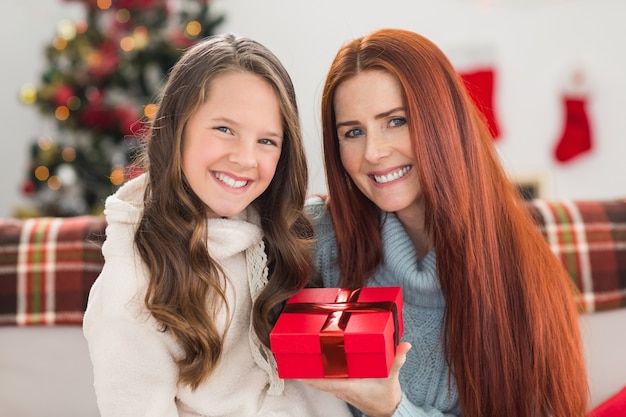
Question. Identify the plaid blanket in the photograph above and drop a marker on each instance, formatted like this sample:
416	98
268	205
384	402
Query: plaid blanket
47	267
589	237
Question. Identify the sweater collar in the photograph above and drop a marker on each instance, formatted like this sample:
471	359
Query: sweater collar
228	236
419	280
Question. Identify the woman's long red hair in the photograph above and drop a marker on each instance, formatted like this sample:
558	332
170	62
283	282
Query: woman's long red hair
511	330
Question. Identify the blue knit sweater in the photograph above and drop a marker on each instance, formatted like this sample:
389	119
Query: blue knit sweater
424	376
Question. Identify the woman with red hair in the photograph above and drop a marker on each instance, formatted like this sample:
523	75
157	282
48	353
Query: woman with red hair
417	198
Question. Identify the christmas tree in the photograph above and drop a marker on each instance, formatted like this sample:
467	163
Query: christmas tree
98	90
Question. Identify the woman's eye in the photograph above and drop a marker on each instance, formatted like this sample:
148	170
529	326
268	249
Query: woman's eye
352	133
397	121
224	129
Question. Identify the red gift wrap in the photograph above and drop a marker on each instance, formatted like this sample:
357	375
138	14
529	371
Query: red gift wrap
338	333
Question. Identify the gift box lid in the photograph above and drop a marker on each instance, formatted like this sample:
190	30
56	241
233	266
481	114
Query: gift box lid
368	332
364	332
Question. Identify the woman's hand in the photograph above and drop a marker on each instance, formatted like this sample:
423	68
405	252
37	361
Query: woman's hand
376	397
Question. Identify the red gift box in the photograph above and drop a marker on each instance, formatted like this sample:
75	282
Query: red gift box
338	333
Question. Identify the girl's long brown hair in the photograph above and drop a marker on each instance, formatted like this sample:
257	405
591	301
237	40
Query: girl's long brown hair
171	237
511	330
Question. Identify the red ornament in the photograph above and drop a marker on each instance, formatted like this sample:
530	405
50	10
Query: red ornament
104	62
128	118
94	96
63	94
99	118
28	188
138	4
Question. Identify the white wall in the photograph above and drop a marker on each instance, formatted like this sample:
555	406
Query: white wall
537	44
26	28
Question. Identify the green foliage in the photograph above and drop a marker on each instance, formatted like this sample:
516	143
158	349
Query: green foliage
103	74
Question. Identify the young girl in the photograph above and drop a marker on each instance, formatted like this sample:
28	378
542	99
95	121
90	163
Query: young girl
418	198
204	247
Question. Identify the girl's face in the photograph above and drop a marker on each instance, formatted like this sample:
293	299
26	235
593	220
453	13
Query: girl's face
232	144
374	141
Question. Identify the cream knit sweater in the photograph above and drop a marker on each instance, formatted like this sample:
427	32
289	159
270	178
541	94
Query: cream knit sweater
134	363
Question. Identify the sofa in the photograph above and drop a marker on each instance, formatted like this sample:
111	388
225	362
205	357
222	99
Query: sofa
47	266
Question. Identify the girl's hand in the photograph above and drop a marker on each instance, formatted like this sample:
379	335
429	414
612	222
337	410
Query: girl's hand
376	397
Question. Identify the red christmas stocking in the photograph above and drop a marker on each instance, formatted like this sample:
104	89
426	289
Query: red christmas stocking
480	86
576	136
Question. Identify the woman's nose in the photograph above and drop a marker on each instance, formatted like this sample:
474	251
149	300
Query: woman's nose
376	148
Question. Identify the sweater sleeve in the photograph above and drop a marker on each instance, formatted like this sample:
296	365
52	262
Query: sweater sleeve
135	372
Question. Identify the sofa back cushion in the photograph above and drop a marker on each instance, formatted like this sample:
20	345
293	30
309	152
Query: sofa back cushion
47	267
589	237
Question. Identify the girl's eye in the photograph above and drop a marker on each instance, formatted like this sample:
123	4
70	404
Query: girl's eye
352	133
224	129
397	121
268	142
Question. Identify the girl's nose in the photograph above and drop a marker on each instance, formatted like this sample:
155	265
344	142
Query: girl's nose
244	154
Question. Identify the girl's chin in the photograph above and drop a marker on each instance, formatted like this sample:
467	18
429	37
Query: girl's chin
223	212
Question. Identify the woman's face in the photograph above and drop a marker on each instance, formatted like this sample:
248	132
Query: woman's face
232	144
375	143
